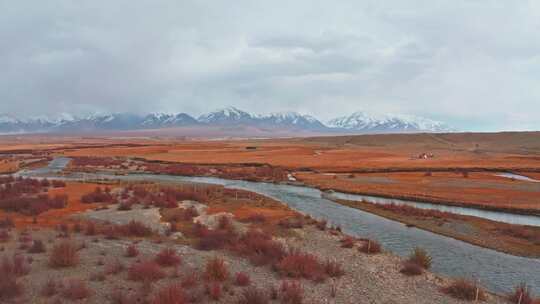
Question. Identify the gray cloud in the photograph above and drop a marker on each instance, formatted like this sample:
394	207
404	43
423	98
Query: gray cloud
475	64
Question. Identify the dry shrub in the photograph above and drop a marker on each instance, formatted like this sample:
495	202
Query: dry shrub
216	270
253	295
256	218
114	267
214	290
90	228
420	257
190	280
465	290
132	251
50	288
4	236
145	271
411	269
75	289
224	223
242	279
259	248
522	295
64	255
370	247
333	269
347	242
301	265
321	225
296	222
216	239
134	228
37	247
17	265
292	292
10	269
170	294
168	257
9	287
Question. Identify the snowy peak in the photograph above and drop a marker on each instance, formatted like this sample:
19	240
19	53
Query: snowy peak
372	122
157	120
292	119
227	115
8	119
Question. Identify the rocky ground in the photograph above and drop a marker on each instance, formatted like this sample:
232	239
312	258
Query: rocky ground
367	279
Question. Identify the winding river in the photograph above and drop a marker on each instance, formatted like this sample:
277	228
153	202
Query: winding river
499	272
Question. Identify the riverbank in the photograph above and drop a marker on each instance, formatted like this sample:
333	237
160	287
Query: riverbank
512	239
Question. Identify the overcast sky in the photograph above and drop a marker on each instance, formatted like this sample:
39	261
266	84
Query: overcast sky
472	64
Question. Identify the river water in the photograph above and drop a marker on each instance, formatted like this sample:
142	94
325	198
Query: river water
499	272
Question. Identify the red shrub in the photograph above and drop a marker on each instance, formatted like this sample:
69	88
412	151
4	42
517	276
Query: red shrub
168	257
292	222
370	247
50	288
132	251
256	218
465	290
37	247
214	290
17	265
190	280
216	239
292	292
171	294
146	271
333	269
216	270
347	242
9	287
135	228
242	279
98	196
321	225
411	269
253	295
301	265
522	295
259	248
75	289
64	255
58	184
90	228
7	222
4	236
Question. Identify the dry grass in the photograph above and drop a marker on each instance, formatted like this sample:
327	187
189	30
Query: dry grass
465	290
216	270
64	255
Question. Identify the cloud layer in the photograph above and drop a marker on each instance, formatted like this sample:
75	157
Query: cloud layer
474	64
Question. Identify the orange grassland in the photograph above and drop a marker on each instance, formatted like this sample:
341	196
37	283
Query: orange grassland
315	160
53	217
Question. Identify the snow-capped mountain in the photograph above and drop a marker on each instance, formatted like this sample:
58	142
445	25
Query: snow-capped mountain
359	122
160	120
291	119
387	123
227	116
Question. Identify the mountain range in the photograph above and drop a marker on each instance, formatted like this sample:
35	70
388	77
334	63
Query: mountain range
358	122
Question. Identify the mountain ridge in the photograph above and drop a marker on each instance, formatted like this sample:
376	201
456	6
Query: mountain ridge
357	122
